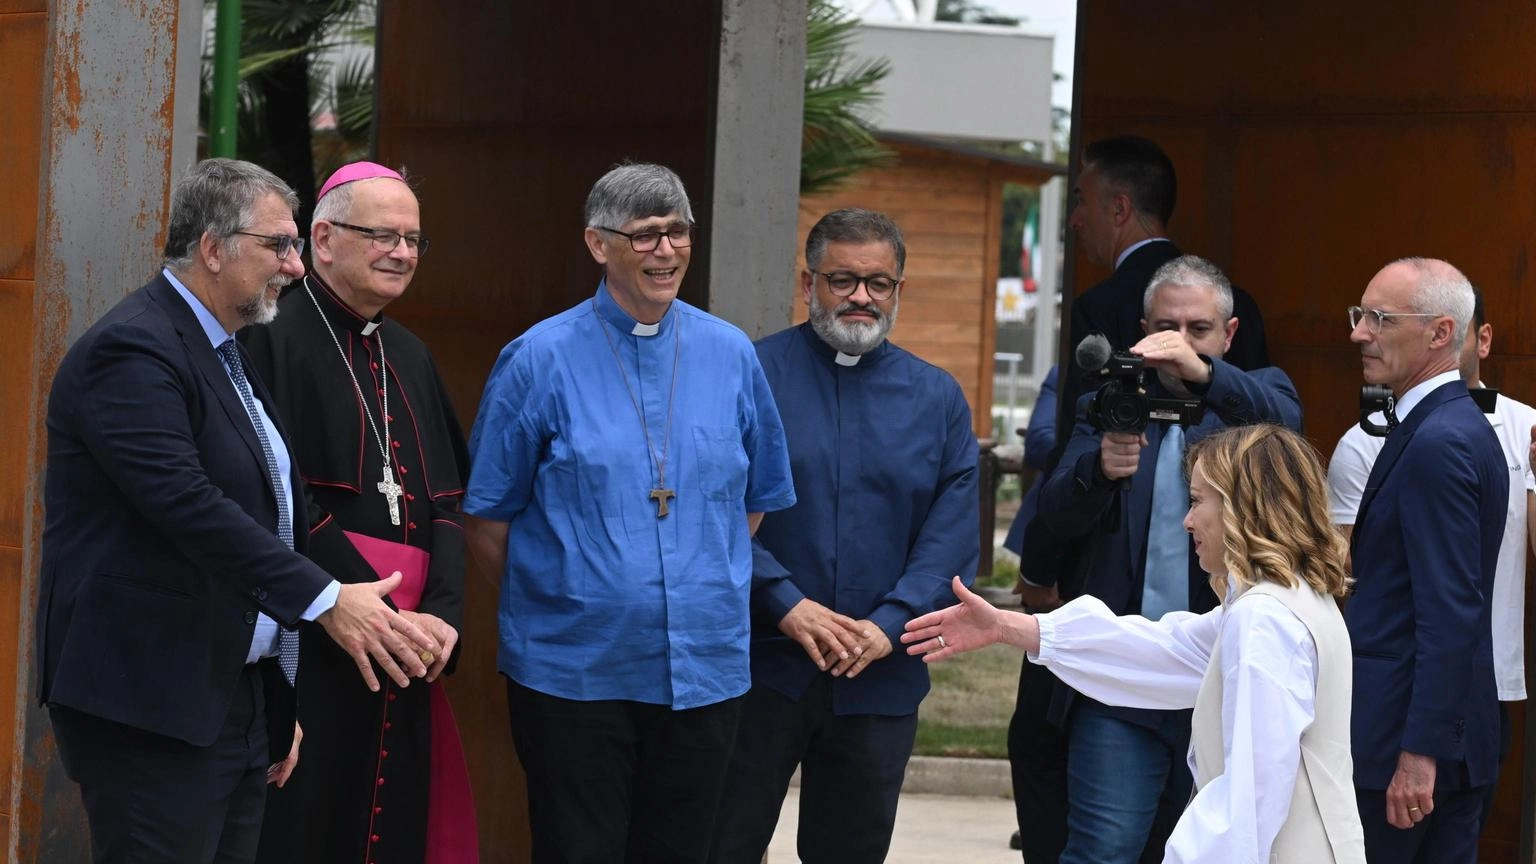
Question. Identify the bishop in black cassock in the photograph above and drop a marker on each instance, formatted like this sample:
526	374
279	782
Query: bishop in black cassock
367	788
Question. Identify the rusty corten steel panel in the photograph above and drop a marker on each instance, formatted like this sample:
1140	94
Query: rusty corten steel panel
106	94
22	37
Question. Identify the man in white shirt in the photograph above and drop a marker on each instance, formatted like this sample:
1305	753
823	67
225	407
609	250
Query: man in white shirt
1512	421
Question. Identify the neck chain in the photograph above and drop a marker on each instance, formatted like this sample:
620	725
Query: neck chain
661	493
387	486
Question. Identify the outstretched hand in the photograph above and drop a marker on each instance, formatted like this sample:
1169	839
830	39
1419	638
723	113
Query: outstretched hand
939	635
366	628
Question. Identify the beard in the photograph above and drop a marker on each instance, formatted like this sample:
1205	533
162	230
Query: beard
852	337
262	309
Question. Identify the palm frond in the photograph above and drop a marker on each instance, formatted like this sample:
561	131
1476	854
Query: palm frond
839	137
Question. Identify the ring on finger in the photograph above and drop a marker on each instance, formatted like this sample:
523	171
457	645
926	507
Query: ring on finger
942	643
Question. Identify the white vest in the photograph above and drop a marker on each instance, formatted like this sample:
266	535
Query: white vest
1323	824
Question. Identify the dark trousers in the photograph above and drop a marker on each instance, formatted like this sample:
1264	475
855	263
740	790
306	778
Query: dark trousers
1037	753
153	799
616	781
851	770
1448	835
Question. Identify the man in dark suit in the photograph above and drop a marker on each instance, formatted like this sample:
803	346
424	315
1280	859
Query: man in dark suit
170	581
1425	723
1121	206
1122	495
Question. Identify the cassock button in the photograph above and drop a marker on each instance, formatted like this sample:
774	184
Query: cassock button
411	525
378	810
396	443
389	418
381	391
391	697
381	781
387	724
383	754
373	366
250	617
374	838
402	469
410	497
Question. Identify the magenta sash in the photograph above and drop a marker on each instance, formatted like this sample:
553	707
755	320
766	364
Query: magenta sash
452	834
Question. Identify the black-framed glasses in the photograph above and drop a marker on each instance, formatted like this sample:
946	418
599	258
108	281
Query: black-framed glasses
1377	318
386	240
844	284
680	236
282	244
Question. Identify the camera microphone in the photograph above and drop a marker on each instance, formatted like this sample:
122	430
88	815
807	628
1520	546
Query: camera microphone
1093	352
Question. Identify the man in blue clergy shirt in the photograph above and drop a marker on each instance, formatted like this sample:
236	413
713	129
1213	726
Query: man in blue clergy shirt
884	463
1125	494
624	452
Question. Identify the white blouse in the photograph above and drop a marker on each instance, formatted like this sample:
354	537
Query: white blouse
1269	680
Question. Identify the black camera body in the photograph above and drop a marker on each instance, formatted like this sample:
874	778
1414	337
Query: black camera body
1122	403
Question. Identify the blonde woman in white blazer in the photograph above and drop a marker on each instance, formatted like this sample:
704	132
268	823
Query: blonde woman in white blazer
1268	672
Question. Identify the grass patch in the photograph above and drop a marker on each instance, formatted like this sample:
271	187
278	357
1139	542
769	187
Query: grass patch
967	712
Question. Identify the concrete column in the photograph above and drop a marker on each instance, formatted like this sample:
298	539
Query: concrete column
759	108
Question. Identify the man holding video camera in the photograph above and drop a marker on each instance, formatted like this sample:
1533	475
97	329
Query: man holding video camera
1121	487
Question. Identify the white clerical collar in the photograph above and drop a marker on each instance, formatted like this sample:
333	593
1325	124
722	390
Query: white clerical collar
847	359
646	329
370	327
1134	246
1417	392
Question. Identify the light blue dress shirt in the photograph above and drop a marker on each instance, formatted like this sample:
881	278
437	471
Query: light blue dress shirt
601	599
264	643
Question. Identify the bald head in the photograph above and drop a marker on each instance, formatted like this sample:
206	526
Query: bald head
1415	317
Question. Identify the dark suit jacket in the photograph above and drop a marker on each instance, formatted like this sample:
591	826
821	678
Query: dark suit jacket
1114	307
160	539
1109	521
1425	546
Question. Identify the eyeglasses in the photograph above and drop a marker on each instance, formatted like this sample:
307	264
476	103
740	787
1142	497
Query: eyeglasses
282	244
1377	318
680	236
844	284
386	240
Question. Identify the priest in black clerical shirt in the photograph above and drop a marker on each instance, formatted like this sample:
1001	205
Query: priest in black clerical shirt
384	460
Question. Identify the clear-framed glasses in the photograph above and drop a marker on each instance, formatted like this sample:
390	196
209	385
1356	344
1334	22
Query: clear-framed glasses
680	236
386	240
282	244
844	284
1376	318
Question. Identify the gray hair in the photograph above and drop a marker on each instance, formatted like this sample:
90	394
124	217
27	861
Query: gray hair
854	225
1441	289
1190	270
634	191
217	196
336	206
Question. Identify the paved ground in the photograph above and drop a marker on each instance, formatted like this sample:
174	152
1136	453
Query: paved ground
930	829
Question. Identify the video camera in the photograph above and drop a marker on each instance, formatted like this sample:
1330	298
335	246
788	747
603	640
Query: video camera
1121	403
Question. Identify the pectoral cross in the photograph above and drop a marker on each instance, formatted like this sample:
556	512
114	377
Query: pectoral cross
660	496
391	492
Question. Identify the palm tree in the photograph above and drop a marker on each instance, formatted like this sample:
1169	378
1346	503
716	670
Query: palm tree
286	80
839	139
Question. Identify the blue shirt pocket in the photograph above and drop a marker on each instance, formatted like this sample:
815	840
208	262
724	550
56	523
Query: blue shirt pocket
722	462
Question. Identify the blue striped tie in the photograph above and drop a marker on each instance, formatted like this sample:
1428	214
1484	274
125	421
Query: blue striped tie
287	640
